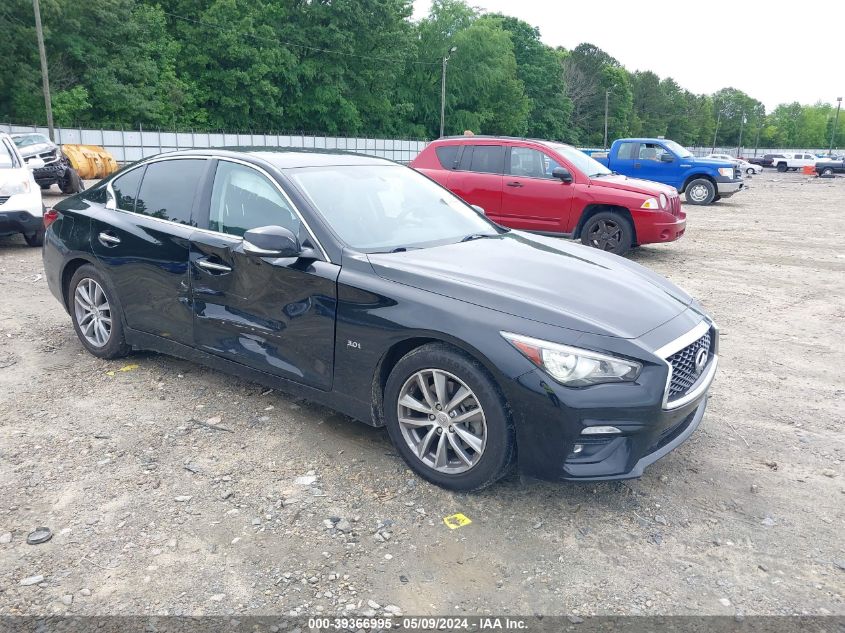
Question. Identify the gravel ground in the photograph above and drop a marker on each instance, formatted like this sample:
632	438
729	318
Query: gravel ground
173	489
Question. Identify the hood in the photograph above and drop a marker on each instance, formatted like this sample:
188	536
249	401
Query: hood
713	162
543	279
624	183
34	150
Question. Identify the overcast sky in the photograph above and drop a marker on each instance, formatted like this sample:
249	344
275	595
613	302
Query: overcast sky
773	50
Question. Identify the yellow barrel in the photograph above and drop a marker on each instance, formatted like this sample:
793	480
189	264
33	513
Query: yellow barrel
90	161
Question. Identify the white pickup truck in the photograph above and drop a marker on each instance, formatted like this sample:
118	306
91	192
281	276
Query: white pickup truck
794	161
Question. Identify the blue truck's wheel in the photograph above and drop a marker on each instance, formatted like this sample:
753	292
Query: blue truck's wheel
700	191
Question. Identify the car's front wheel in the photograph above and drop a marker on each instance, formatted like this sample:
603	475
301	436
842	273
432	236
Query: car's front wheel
700	191
608	231
96	314
750	171
447	418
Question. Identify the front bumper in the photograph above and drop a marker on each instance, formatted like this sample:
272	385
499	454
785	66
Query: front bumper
555	425
726	188
12	222
653	229
50	174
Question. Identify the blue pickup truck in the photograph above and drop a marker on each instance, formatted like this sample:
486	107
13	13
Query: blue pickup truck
703	180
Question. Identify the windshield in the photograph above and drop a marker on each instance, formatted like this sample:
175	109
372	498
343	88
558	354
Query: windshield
679	150
381	208
30	139
580	160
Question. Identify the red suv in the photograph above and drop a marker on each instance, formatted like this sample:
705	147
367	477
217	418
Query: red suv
554	189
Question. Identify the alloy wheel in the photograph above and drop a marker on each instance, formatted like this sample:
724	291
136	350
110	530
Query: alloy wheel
442	421
606	235
93	312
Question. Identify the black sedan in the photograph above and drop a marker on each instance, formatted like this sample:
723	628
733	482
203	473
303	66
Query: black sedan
361	284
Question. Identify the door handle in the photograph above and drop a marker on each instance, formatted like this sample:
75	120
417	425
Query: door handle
107	239
213	267
515	183
637	165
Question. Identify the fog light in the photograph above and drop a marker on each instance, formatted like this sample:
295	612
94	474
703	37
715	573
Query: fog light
600	430
577	449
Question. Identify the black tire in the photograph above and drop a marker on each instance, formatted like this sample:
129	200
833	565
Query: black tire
700	191
35	239
827	171
750	171
44	186
116	345
782	167
500	446
70	182
608	231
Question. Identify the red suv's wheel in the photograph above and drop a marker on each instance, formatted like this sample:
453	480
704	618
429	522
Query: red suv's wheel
608	231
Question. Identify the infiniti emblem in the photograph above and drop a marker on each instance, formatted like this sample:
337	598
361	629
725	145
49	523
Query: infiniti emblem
700	360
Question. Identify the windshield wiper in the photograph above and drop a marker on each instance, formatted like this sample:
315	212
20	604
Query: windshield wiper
474	236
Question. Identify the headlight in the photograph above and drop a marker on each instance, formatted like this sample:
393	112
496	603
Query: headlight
650	203
727	172
663	201
15	187
572	366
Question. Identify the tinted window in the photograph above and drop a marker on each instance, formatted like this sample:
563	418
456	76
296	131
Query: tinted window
488	159
448	156
531	163
244	199
125	189
168	189
627	151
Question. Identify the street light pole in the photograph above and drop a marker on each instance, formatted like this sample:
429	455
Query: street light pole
835	124
443	90
45	79
606	100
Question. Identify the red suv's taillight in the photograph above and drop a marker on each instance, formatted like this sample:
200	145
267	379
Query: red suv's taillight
50	216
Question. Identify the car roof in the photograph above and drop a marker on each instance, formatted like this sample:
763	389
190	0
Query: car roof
286	157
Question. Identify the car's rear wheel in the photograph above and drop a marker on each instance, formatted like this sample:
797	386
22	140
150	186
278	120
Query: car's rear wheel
827	171
96	314
36	238
700	191
608	231
447	418
782	167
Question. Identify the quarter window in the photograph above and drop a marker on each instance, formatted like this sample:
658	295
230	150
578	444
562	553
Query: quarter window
169	188
125	189
488	159
531	163
244	199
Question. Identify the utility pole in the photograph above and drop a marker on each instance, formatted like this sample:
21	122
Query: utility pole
443	90
606	99
835	124
45	78
741	124
716	133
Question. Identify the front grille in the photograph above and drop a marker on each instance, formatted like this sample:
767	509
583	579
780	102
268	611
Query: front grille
675	206
684	374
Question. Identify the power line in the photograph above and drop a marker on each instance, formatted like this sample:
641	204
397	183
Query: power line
301	46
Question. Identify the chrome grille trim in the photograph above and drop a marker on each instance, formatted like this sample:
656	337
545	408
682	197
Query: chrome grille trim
680	344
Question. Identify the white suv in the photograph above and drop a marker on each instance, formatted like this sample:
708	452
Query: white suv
794	161
21	210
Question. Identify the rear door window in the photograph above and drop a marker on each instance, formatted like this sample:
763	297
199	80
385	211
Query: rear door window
627	151
125	189
488	159
448	156
169	189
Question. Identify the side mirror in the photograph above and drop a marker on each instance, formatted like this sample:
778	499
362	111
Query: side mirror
34	163
271	241
667	158
480	210
562	173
